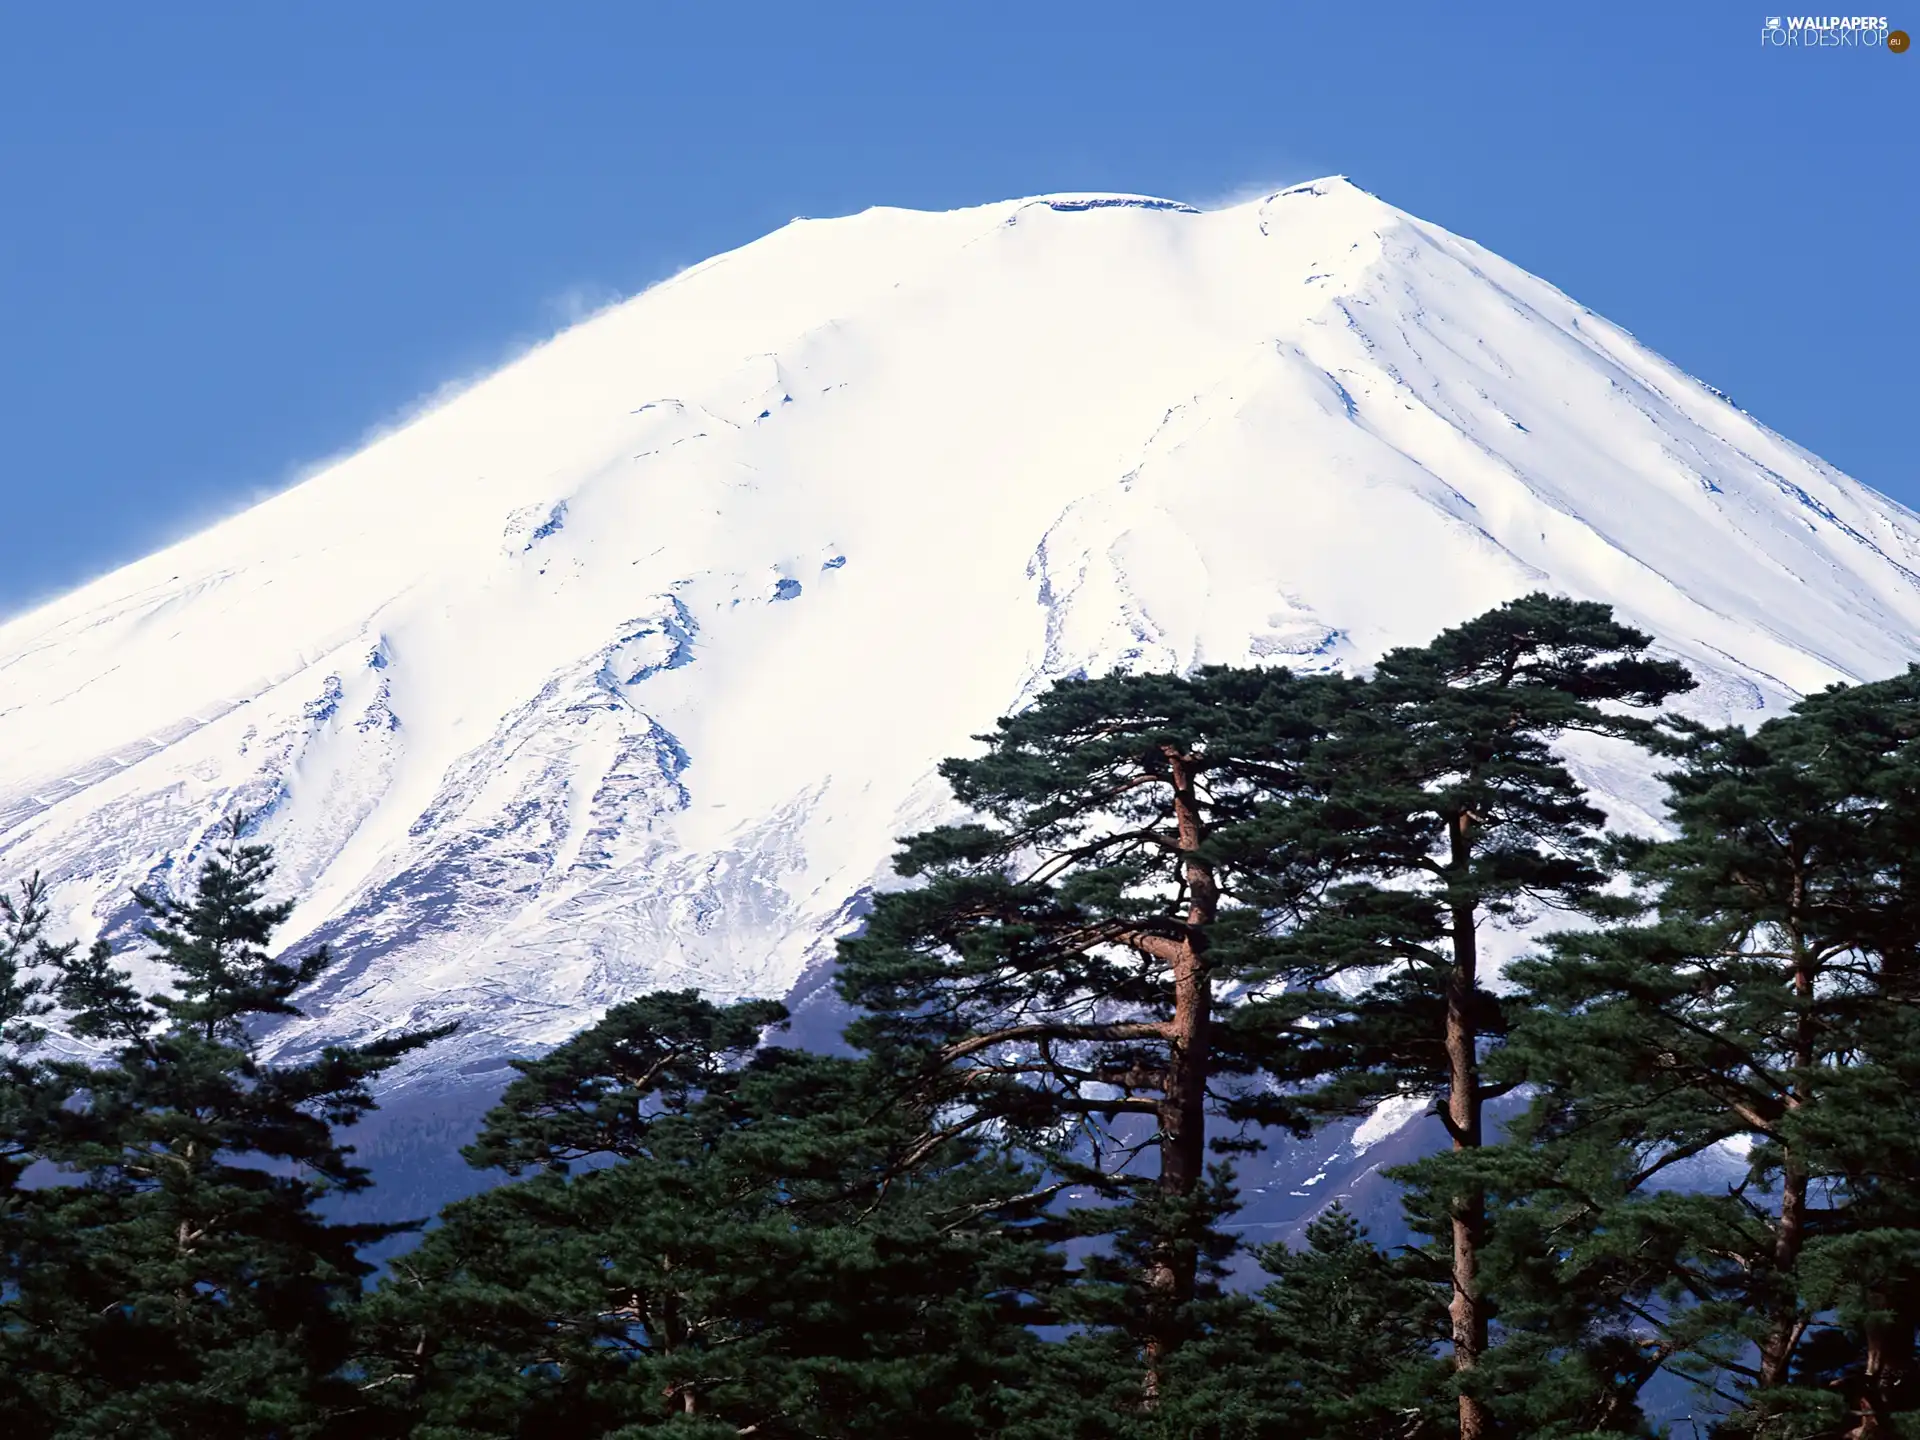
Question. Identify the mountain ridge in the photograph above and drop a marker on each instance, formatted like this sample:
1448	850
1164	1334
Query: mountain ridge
625	666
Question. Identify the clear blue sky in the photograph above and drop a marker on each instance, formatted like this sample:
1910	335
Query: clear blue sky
234	239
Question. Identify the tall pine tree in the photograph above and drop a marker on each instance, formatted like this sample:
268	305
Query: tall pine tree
1445	807
1059	973
179	1276
1763	1009
27	964
31	1106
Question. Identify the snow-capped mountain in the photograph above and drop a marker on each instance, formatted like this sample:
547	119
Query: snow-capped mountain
625	667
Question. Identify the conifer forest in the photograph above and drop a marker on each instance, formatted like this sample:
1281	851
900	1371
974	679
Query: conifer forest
1674	1189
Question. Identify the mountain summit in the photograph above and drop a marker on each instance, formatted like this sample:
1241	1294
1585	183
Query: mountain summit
625	667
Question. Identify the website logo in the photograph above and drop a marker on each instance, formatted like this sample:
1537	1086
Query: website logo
1831	32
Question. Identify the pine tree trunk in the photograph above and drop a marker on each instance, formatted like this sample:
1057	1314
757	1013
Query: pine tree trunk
1183	1099
1776	1353
1469	1208
1889	1358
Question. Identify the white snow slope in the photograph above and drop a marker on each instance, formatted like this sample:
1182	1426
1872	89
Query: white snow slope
624	668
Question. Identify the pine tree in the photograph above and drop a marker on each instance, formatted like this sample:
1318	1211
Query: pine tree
1764	1003
180	1277
1059	973
1338	1345
26	964
30	1110
1444	807
712	1237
